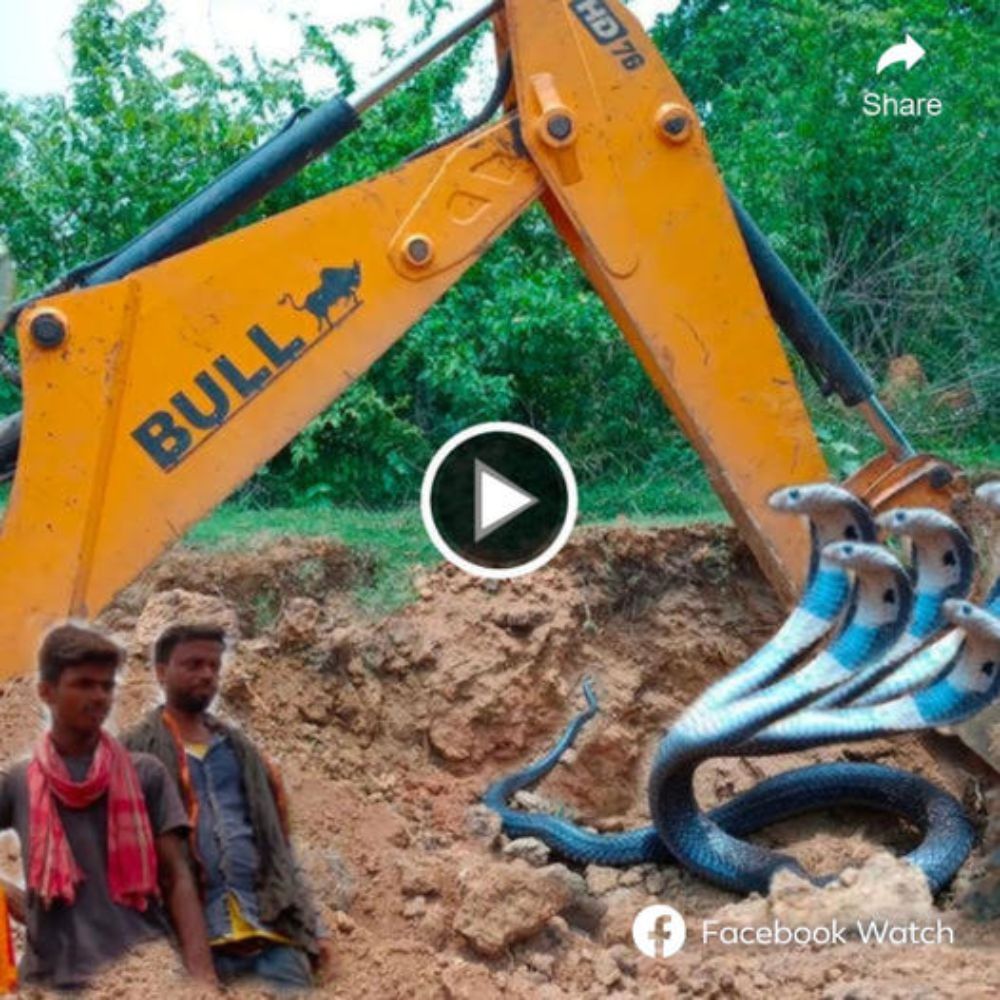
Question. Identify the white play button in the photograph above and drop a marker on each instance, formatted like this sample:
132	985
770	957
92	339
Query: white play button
498	500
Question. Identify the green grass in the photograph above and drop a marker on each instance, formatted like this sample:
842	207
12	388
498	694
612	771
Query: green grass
396	540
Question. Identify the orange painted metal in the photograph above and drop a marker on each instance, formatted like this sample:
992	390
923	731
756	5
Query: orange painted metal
920	481
645	212
174	385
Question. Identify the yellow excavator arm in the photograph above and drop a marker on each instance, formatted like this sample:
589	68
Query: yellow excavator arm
162	381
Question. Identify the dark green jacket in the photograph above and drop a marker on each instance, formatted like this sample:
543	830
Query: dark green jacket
285	903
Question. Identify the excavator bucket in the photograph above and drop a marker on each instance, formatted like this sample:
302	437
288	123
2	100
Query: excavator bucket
917	481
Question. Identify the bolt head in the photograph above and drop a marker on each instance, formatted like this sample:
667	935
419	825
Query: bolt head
418	251
677	125
48	330
560	127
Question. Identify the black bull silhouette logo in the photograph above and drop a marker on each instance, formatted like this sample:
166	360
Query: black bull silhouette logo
336	284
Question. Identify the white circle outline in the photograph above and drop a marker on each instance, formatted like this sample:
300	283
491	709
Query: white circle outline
510	572
647	915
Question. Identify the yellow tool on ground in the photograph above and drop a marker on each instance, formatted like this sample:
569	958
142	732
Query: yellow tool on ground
160	379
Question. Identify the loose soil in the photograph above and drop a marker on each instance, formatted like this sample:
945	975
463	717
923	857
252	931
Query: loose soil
389	730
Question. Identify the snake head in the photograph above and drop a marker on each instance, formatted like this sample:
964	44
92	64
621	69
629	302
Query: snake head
834	514
943	557
591	697
978	668
883	591
989	493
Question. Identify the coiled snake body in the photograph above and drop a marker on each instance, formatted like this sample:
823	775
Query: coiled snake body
865	683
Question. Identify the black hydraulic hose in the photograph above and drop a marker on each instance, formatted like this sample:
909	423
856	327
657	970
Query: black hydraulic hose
826	355
492	106
800	319
305	138
10	440
231	194
307	135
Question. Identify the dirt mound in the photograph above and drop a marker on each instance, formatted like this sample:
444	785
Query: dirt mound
255	578
389	731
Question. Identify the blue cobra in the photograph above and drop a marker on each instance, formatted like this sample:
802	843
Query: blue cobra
705	847
701	844
733	863
943	563
833	514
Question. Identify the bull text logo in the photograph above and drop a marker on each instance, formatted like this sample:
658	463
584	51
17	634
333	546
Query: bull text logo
168	435
607	30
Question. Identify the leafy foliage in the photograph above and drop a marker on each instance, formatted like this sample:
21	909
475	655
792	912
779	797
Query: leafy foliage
888	222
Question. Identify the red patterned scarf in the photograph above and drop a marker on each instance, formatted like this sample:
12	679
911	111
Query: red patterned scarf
52	871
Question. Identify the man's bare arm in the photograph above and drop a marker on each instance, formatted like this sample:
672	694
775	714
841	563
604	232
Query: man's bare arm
179	893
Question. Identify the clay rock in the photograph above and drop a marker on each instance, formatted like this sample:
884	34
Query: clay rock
504	903
298	623
450	740
464	981
531	849
339	647
904	378
173	607
483	823
601	880
358	707
621	907
421	876
330	876
521	619
981	896
885	888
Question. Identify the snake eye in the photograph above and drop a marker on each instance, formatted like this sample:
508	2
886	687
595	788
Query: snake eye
889	596
847	550
988	668
795	494
949	558
850	532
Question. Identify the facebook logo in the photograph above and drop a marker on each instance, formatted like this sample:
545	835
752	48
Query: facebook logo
659	931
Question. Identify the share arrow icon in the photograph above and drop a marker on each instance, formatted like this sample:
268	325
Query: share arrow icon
909	52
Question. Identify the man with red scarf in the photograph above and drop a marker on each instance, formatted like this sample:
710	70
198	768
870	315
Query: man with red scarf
102	830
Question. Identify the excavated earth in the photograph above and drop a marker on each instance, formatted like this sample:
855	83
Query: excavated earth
388	731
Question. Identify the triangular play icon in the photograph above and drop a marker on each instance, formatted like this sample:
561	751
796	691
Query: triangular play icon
498	500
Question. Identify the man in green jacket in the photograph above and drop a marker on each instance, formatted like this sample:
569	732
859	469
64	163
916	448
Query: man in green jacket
260	916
